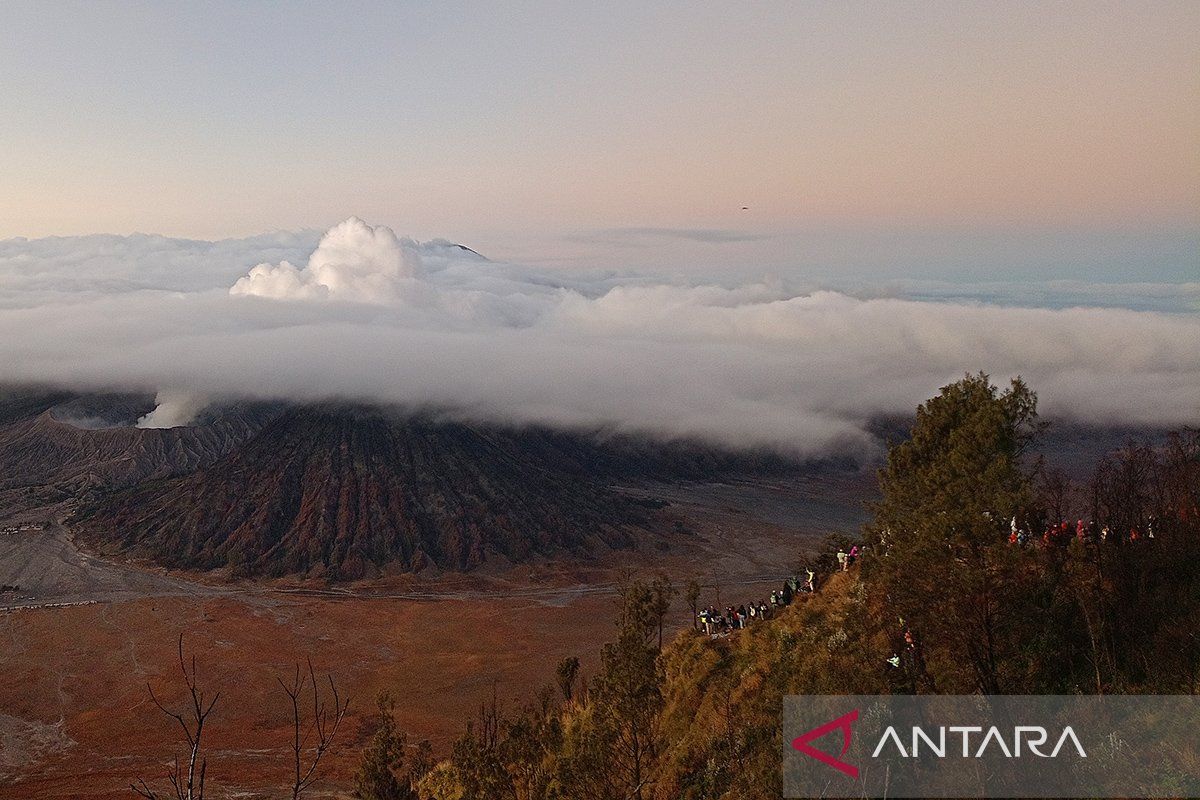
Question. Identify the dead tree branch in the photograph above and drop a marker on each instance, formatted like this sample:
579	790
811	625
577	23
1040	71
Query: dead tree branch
186	784
312	738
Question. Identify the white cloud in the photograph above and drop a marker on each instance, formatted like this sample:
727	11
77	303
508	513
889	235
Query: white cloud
353	261
40	270
374	317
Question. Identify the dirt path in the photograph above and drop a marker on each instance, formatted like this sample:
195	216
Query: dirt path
50	570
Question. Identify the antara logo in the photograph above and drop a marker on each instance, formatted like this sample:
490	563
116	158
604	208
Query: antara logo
1033	737
842	723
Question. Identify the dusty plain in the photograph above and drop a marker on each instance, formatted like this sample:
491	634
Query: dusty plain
83	636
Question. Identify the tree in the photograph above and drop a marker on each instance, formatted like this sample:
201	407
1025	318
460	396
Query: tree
628	693
941	527
320	730
1137	591
531	741
478	756
186	784
565	674
378	776
1056	493
692	595
662	593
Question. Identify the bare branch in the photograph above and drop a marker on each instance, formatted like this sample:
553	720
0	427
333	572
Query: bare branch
189	784
320	729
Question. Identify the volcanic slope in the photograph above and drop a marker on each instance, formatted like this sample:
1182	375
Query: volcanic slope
81	442
342	492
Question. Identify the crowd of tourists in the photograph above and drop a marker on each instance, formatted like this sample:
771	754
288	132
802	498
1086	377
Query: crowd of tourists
1062	534
715	622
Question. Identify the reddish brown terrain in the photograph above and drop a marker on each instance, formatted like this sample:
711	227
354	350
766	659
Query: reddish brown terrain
76	720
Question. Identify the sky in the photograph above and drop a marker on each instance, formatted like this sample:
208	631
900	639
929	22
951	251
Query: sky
865	142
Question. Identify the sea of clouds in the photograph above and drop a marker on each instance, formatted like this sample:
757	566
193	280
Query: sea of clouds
360	313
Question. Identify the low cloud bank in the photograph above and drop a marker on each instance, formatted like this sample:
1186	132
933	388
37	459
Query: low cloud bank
371	316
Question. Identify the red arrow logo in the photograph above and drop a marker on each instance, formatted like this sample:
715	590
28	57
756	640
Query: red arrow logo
843	723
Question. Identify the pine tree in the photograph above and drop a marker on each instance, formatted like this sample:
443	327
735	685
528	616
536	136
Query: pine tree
565	674
378	776
940	531
613	749
692	596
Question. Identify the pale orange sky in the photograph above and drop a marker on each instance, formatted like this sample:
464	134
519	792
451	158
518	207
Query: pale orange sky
519	130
